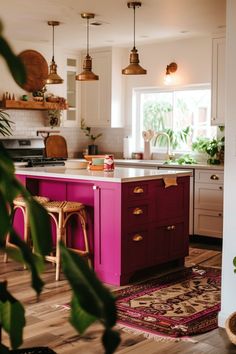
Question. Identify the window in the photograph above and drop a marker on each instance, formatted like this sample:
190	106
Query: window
183	113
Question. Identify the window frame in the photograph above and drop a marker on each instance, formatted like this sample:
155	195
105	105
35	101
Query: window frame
136	109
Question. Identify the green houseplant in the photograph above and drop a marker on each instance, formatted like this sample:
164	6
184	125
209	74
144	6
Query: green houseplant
212	147
91	301
92	148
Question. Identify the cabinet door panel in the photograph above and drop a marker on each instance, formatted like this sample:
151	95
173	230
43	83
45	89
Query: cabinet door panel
178	240
208	223
208	196
218	81
172	202
136	250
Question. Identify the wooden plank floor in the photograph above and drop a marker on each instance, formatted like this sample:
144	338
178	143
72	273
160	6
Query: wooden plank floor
47	325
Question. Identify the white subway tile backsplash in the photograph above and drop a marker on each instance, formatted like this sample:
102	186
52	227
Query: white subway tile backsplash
26	123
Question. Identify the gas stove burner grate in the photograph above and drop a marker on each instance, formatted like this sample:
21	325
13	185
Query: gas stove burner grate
46	161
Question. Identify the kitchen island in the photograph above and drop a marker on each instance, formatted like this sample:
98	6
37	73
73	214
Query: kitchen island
137	218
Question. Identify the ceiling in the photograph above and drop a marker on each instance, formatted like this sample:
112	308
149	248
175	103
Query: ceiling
156	20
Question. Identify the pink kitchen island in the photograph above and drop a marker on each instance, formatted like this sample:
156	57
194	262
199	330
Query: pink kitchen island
134	220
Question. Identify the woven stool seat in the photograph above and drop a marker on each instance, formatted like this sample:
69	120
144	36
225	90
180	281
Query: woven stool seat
19	201
66	207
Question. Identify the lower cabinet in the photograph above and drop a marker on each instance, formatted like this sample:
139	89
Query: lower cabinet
155	224
208	203
168	242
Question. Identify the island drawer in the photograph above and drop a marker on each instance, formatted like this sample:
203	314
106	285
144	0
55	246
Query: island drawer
137	213
136	191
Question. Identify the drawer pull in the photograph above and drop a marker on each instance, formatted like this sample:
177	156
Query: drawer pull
137	238
214	177
221	188
137	211
220	214
170	227
138	190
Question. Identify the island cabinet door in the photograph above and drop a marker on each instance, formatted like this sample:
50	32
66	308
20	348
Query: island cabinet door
171	202
168	242
135	254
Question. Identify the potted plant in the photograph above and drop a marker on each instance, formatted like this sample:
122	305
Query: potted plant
92	148
214	148
91	301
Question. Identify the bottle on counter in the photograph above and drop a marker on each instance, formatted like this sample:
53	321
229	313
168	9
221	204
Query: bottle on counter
109	163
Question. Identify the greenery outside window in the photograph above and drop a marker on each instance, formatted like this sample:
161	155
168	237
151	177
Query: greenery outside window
174	111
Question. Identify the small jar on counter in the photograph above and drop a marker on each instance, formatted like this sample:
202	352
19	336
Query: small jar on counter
109	163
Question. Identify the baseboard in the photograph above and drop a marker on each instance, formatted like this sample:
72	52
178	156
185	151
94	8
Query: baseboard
222	317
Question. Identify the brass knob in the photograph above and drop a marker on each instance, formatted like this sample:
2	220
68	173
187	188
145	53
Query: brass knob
137	211
138	190
214	177
170	227
137	238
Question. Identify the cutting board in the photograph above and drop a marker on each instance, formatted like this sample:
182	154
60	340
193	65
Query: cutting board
56	146
36	69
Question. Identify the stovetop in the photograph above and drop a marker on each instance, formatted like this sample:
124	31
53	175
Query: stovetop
30	151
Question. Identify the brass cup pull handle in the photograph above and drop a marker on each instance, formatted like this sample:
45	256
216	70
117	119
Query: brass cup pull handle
170	227
137	211
138	190
137	238
214	177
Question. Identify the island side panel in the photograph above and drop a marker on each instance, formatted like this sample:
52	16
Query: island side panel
107	232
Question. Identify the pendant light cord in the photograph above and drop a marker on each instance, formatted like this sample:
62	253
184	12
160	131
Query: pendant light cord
134	25
53	43
87	36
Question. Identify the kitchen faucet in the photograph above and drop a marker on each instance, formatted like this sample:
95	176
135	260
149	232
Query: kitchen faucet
157	134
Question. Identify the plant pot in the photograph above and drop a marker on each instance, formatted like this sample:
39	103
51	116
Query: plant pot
213	161
92	149
230	327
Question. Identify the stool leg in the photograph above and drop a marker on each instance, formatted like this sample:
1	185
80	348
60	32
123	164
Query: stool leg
82	217
60	234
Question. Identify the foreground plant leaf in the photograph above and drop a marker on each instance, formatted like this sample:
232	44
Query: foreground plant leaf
110	340
90	297
79	318
93	297
29	259
14	63
12	316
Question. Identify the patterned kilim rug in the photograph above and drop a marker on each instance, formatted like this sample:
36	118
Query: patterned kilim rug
176	305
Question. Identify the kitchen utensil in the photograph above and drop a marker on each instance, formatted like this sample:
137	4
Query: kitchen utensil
36	69
56	146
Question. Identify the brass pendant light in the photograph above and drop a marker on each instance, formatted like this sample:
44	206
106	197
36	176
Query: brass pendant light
134	68
53	77
87	74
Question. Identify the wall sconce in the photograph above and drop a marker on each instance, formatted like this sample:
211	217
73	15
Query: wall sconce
170	69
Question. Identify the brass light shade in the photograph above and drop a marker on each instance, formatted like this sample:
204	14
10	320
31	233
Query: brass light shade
134	68
87	74
53	77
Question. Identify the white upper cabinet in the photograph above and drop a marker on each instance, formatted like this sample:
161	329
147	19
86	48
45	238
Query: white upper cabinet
102	101
218	81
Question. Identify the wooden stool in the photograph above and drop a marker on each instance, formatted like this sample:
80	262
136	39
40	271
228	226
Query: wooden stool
19	203
61	211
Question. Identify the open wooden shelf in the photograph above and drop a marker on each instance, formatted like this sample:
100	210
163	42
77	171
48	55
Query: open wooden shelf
13	104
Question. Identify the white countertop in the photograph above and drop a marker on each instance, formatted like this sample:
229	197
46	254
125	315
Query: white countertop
160	163
120	174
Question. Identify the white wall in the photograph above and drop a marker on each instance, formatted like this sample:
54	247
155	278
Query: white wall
192	69
193	57
228	296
